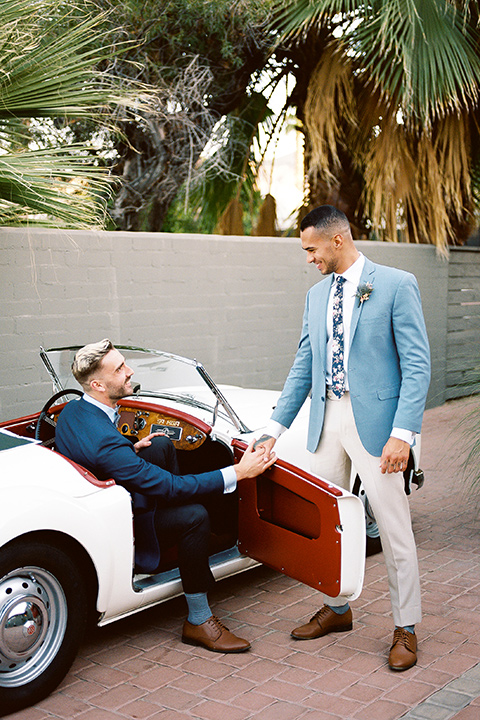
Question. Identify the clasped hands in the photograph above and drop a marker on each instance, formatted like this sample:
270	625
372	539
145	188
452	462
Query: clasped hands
256	459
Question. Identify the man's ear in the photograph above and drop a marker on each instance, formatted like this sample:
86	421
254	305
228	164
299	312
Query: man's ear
337	241
96	385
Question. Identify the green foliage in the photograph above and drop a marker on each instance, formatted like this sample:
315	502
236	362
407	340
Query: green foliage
167	35
46	71
202	58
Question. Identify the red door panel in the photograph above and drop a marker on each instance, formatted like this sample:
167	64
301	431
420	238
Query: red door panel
289	520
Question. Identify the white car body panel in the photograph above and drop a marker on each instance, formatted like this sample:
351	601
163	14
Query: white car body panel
99	519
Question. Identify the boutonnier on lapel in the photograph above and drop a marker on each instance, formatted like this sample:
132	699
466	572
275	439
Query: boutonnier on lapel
363	292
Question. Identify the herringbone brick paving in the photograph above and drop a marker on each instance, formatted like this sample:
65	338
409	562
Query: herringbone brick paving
139	668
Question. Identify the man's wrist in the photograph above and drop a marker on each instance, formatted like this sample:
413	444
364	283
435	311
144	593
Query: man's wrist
230	477
407	436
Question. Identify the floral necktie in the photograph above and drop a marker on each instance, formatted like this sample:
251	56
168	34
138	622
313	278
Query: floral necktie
338	371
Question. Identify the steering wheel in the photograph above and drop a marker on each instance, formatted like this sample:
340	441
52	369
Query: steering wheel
45	430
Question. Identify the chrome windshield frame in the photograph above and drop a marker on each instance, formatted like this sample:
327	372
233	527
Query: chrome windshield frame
205	377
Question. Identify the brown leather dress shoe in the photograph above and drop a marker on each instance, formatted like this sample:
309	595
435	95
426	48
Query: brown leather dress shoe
213	635
323	622
403	653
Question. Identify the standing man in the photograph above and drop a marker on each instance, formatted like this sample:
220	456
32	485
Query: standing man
364	356
168	508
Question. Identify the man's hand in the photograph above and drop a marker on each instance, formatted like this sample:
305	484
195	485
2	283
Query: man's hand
266	441
146	441
394	456
254	462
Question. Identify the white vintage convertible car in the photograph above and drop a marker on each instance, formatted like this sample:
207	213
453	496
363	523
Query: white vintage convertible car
67	538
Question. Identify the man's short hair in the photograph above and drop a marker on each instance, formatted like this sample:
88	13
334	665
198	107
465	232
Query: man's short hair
88	359
325	217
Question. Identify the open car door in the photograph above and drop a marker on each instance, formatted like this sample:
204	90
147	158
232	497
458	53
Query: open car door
303	526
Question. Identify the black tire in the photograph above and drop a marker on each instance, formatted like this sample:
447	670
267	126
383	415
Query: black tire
43	612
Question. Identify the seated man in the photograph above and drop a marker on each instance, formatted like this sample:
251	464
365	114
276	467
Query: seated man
168	508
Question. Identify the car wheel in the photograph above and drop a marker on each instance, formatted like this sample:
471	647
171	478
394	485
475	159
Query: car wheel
43	611
373	544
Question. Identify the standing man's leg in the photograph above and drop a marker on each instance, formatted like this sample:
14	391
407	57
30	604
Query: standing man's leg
332	463
387	498
338	448
386	494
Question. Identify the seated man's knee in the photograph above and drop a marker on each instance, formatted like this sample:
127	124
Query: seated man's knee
161	452
197	516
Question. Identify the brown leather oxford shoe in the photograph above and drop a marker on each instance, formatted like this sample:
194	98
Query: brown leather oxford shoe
403	653
214	636
323	622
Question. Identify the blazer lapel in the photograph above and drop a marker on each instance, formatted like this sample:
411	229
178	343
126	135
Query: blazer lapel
368	276
321	318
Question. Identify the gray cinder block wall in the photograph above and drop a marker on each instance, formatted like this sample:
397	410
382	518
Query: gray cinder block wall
233	303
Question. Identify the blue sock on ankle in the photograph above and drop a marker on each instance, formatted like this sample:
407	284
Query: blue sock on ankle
409	628
340	609
198	608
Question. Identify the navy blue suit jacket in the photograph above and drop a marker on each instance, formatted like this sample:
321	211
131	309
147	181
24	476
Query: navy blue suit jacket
85	434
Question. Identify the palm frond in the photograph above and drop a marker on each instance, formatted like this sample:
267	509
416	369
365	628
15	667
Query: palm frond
393	96
421	182
45	78
52	183
422	55
49	69
296	17
329	108
419	53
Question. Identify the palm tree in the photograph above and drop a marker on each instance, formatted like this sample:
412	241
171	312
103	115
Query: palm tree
387	92
48	75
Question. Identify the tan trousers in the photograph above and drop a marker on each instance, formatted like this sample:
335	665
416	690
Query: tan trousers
339	447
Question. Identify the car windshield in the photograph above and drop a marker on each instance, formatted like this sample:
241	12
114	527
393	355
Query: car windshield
158	374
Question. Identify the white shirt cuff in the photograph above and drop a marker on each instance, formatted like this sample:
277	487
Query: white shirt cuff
229	479
274	429
406	435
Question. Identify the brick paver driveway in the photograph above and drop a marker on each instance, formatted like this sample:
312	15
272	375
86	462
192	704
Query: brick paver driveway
139	668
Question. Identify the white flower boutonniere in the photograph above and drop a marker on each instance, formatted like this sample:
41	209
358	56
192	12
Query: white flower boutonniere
363	292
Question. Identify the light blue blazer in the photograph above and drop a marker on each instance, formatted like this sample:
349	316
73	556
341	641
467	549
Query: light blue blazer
388	365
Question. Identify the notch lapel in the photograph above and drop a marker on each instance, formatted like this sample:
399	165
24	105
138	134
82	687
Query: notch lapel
368	275
319	317
323	308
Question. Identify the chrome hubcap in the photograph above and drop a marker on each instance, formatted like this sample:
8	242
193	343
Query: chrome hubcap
33	618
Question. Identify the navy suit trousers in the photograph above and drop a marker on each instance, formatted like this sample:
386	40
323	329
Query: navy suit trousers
189	526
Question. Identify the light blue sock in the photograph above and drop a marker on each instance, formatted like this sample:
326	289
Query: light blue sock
409	628
340	609
198	608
